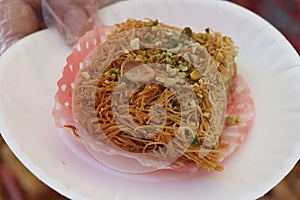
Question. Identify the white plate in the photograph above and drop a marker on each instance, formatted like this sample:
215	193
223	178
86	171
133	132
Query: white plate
30	69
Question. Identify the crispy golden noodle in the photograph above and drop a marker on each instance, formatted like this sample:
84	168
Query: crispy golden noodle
164	105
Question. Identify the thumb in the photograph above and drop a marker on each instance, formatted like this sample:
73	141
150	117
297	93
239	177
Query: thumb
77	21
71	18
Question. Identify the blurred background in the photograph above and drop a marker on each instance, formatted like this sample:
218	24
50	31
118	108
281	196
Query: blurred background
17	183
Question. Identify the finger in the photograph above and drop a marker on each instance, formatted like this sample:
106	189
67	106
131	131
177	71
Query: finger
17	19
78	16
76	20
61	6
36	4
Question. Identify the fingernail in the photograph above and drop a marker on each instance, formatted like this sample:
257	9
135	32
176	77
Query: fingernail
77	21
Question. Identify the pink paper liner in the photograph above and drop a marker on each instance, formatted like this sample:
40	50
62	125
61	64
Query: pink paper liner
62	111
241	102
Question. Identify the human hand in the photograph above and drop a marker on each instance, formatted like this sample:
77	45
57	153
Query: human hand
19	18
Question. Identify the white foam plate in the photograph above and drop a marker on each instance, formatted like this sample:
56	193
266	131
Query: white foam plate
29	71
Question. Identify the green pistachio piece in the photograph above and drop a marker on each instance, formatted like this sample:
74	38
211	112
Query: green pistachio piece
195	75
187	31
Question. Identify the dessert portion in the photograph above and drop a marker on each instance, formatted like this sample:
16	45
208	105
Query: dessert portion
159	94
